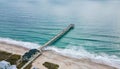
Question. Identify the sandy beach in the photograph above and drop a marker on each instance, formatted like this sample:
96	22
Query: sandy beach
64	62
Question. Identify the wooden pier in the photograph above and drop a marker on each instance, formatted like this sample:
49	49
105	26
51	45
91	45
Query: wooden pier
55	38
59	35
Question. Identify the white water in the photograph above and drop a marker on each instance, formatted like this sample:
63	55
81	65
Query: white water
113	60
20	43
72	51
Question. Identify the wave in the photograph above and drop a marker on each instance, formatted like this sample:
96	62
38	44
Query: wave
20	43
72	51
79	52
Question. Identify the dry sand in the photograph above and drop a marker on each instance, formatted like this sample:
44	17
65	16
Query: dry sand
64	62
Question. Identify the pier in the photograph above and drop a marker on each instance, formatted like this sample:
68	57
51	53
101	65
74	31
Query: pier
54	39
58	36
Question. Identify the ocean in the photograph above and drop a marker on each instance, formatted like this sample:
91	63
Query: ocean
31	23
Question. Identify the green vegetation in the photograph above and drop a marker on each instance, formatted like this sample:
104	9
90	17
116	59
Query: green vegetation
51	65
20	65
12	58
4	55
23	63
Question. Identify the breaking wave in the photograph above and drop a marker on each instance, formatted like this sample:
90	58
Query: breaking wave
20	43
72	51
78	52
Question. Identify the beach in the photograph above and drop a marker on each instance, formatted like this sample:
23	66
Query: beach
93	43
64	62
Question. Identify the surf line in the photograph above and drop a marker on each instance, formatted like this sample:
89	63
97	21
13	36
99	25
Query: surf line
30	56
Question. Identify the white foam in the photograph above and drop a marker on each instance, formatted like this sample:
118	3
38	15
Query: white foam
71	51
78	52
20	43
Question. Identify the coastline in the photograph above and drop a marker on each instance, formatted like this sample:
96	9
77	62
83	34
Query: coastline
11	48
64	62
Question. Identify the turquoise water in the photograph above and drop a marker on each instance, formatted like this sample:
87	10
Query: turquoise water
97	23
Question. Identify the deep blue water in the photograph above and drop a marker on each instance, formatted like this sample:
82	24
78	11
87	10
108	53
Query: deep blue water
97	23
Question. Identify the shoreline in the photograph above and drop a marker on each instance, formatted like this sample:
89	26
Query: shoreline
64	62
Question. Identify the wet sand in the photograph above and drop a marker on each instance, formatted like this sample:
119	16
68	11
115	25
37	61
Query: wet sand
64	62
